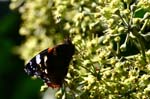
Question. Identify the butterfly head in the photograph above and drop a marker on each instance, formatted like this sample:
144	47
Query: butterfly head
71	47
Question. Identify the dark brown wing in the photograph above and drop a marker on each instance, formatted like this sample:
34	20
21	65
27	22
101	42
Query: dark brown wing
51	65
58	62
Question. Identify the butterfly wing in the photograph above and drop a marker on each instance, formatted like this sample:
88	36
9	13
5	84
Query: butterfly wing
51	65
37	67
58	62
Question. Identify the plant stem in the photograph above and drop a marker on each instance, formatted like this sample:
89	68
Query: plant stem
140	41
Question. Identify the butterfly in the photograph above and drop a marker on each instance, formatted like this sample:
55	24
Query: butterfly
51	64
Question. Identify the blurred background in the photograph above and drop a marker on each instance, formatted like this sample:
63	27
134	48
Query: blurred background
14	83
112	59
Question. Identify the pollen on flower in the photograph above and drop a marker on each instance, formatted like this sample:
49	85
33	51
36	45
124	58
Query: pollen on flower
44	87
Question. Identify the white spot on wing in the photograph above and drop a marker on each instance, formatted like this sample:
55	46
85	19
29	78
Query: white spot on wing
30	63
46	71
38	60
27	71
45	59
33	68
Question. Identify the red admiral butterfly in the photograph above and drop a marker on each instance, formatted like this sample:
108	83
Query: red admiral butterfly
51	65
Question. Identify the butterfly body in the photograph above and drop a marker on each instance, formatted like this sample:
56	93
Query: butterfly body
51	65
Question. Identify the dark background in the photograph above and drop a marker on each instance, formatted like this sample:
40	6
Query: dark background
14	83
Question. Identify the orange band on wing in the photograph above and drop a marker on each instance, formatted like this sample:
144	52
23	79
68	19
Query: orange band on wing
50	49
52	85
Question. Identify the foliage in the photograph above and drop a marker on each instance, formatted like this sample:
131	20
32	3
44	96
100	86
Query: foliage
111	38
14	84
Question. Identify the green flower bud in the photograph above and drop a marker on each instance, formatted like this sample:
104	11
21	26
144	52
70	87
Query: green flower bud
123	47
146	15
117	39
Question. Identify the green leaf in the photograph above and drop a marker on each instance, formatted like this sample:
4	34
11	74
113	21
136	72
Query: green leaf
139	13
